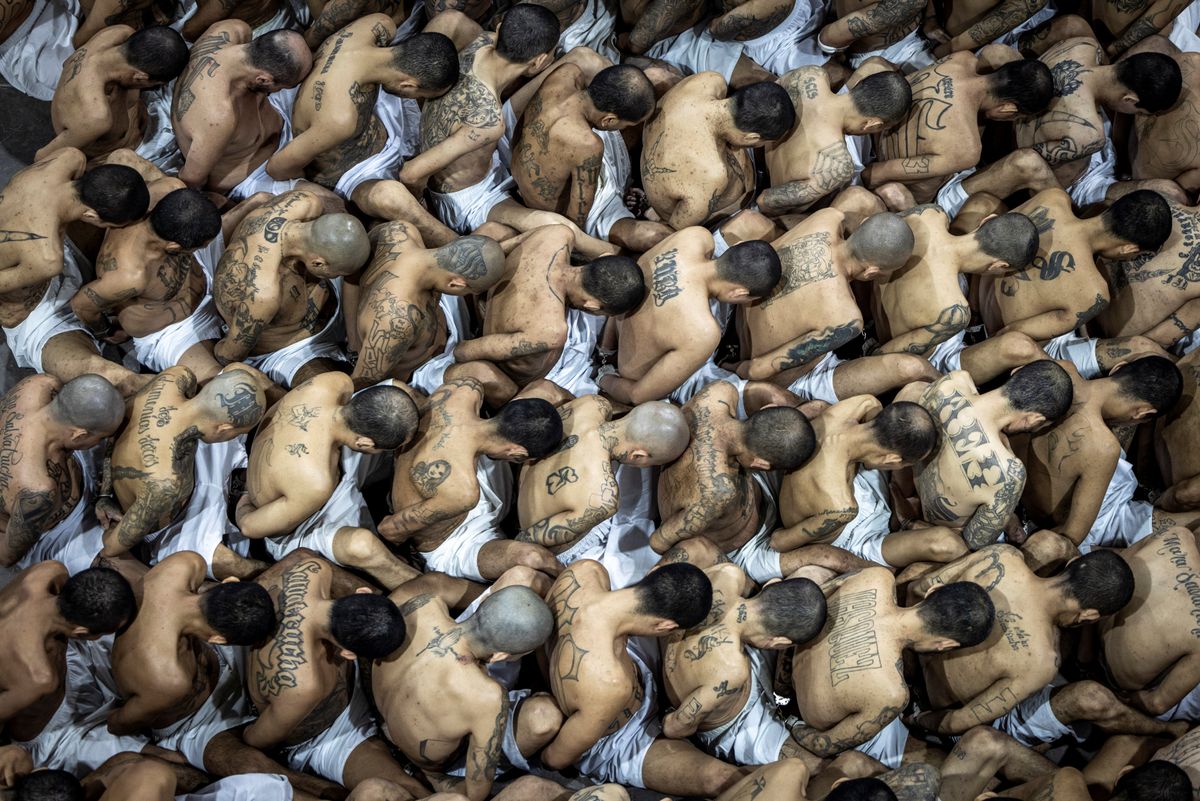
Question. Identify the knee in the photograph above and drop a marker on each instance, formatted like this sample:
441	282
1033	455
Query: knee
376	789
857	765
1017	349
534	787
983	741
717	777
1089	700
357	546
1073	25
534	557
699	551
1030	166
906	368
791	772
541	718
860	199
946	546
519	575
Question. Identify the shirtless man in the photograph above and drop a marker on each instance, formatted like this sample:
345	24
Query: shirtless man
153	278
972	25
1175	443
719	675
476	724
790	336
317	708
358	104
696	165
40	272
719	488
925	310
402	319
153	465
1072	128
972	480
668	339
448	494
233	129
569	155
567	495
45	429
1009	679
864	642
1080	485
310	455
941	135
1163	149
886	28
602	673
538	321
840	496
278	287
814	161
98	104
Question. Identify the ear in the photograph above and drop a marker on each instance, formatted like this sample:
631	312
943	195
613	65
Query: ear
1129	250
516	453
778	643
539	63
1087	616
263	79
759	463
80	631
173	247
891	460
665	626
363	591
873	125
501	656
347	655
638	455
457	282
77	433
998	266
1034	421
230	580
1130	99
90	216
224	428
753	138
610	122
217	639
741	293
409	85
141	77
316	263
363	443
944	644
870	274
1144	412
1006	109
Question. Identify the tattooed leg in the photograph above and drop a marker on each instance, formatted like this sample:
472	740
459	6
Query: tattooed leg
226	564
391	200
359	548
980	755
1093	702
72	354
829	557
499	555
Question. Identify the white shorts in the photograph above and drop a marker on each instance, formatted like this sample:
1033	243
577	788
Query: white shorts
817	383
401	118
608	205
1032	722
158	145
244	787
51	317
165	347
76	738
619	756
204	525
1188	344
258	180
31	58
695	50
760	561
78	532
1093	184
428	377
719	244
946	357
327	753
757	734
1121	521
511	756
1080	351
283	364
952	196
1186	709
344	507
887	746
458	555
466	209
910	54
621	544
225	708
864	535
594	29
1183	29
573	370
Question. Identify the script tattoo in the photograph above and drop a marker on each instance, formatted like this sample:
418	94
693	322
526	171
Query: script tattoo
853	644
665	277
277	664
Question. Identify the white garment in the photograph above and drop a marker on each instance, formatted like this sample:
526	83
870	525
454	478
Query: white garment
1080	351
622	542
428	377
864	535
792	43
401	118
618	757
79	525
910	54
31	59
158	145
594	29
1183	29
258	180
244	787
756	556
283	364
226	707
458	555
1093	184
888	745
1186	709
947	356
719	244
204	524
412	25
511	757
344	507
51	317
952	196
327	753
466	209
817	383
695	50
757	734
705	375
1032	722
608	205
165	347
1121	521
573	370
1188	344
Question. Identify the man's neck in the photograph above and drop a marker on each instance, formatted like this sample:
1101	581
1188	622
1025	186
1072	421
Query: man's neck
55	431
191	618
376	66
238	69
495	71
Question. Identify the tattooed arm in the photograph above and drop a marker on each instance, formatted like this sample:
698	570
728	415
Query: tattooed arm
996	701
326	134
751	19
657	19
716	492
281	717
801	351
502	347
484	750
565	527
208	12
852	730
111	288
910	170
32	510
1045	325
148	512
821	527
988	522
335	15
921	341
991	26
684	721
106	13
892	18
405	522
1153	20
1179	324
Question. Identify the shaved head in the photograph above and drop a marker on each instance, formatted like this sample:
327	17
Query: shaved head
883	240
513	620
90	402
341	241
477	259
234	397
659	428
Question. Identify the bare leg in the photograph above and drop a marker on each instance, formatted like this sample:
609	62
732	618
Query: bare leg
537	721
501	554
847	765
1093	702
514	215
917	781
1021	169
72	354
1046	552
830	557
391	200
698	551
973	212
676	767
226	755
531	788
998	355
199	359
876	375
1065	785
371	760
780	781
857	204
638	235
933	544
980	755
228	564
1181	496
360	548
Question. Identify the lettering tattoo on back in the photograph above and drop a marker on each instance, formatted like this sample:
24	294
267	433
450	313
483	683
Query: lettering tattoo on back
978	456
665	277
276	666
853	644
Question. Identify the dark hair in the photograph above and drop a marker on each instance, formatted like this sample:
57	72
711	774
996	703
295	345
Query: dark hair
861	790
1152	379
49	785
385	413
276	53
961	611
526	32
615	281
1100	580
531	423
794	608
1142	218
1155	79
1041	387
679	592
885	95
753	264
1012	238
763	108
99	599
780	435
1028	83
158	51
1157	780
430	58
187	218
368	625
907	429
623	90
115	192
240	611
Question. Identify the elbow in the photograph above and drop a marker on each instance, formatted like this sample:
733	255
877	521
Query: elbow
675	730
